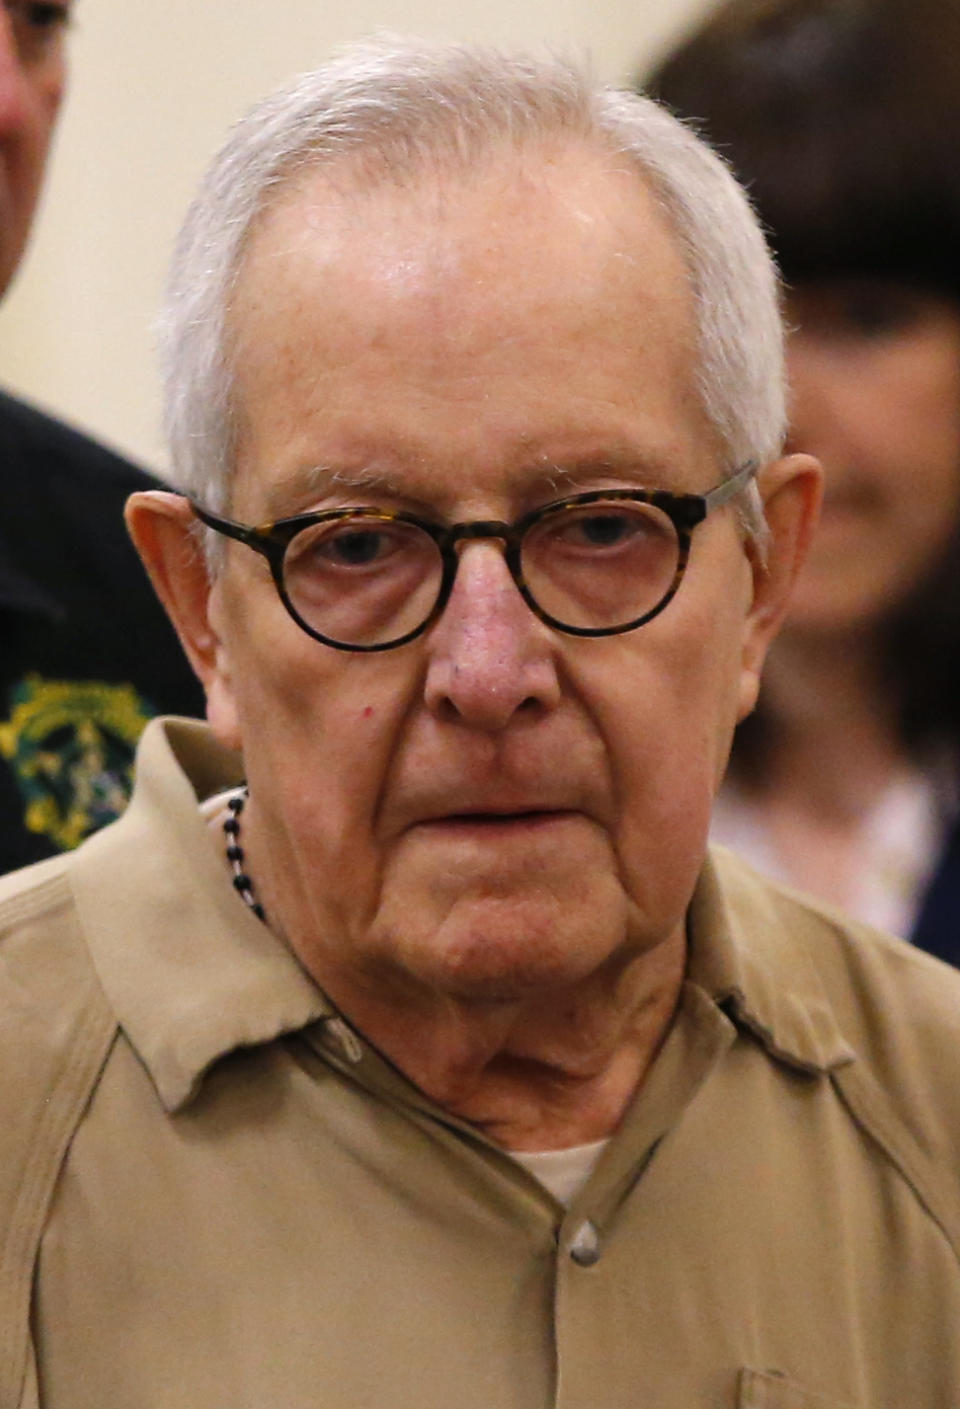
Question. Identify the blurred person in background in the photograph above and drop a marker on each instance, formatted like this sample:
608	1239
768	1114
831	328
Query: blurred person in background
87	656
843	119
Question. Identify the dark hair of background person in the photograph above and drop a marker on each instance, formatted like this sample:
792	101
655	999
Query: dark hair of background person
842	117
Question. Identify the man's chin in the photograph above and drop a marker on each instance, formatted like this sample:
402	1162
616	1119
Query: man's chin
536	858
497	949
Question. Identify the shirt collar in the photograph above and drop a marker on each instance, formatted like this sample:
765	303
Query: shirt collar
190	972
192	975
748	953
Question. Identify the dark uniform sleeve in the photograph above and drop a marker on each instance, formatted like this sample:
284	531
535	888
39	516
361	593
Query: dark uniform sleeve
88	655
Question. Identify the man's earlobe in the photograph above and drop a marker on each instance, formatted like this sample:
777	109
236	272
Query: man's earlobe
163	528
791	489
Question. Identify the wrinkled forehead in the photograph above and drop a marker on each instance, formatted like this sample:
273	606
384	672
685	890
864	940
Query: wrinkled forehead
536	257
575	204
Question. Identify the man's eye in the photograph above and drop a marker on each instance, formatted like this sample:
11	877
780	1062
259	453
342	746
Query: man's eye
602	527
358	547
354	544
603	530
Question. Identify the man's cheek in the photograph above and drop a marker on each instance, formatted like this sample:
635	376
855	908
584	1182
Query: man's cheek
661	843
667	767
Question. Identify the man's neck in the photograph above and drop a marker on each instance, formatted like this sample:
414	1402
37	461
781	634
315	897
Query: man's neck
544	1073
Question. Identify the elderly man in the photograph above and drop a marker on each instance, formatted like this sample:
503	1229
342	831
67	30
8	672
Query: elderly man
87	655
437	1062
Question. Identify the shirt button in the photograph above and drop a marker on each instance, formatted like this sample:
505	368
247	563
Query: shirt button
585	1247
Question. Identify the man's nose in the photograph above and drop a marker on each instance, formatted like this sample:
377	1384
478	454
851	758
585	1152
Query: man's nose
14	94
490	656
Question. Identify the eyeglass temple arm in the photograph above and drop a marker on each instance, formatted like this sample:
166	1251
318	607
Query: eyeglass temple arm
253	537
726	491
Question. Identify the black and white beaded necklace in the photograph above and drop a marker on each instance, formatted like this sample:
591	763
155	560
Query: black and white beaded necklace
242	882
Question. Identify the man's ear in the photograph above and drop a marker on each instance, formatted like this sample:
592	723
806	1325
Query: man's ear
791	489
163	528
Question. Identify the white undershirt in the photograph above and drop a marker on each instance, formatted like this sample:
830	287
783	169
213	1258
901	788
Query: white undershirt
563	1173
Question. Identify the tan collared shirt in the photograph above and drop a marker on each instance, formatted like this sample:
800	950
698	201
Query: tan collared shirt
214	1194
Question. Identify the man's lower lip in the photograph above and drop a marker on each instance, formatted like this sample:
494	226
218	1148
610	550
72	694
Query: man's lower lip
481	823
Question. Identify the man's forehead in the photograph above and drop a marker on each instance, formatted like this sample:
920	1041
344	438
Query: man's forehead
333	210
536	311
531	245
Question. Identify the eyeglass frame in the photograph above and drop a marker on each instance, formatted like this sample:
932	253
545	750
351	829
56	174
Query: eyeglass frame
685	512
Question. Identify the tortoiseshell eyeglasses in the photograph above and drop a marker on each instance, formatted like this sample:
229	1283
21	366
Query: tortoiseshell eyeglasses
594	564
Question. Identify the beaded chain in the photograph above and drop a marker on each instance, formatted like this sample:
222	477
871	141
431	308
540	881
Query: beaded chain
242	883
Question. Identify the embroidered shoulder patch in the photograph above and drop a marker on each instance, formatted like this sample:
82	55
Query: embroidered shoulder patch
70	744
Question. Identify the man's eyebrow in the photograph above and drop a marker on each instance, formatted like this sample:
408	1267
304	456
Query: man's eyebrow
582	471
540	475
293	495
565	479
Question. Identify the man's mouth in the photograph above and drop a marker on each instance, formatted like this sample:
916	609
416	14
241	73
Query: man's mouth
479	820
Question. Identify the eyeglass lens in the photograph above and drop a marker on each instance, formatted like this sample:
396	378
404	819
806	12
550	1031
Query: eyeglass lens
596	566
363	581
366	581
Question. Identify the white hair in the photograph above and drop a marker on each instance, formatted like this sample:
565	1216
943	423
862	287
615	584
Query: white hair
390	109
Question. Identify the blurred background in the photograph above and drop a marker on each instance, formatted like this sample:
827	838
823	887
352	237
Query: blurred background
153	89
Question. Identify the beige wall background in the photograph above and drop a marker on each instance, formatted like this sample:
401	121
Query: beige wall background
154	87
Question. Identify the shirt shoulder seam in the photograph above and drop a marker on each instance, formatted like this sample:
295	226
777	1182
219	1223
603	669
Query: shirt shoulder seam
870	1109
59	1108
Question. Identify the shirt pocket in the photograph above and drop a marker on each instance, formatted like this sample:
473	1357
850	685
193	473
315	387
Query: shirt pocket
771	1389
